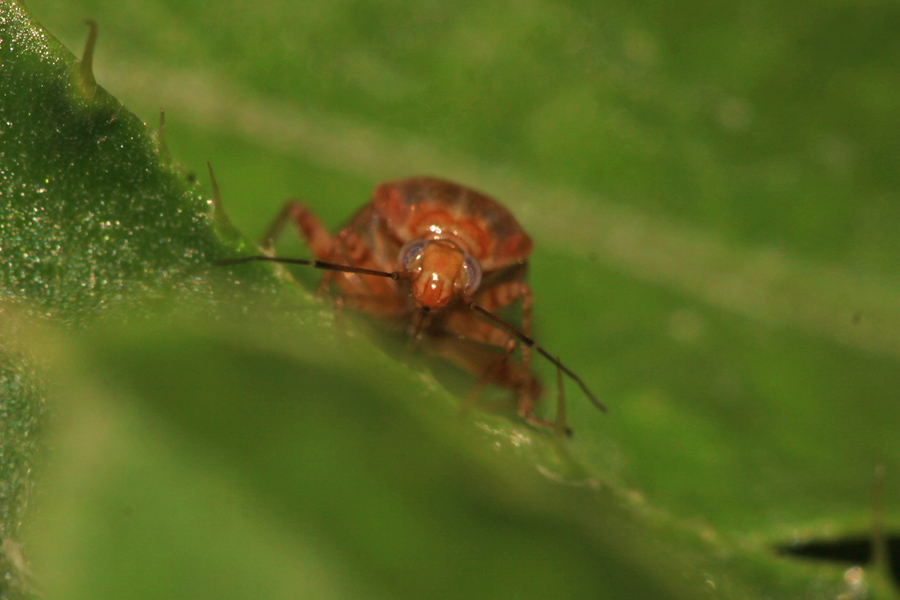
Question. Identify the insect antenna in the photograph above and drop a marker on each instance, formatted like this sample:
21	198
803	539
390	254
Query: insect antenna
317	264
532	344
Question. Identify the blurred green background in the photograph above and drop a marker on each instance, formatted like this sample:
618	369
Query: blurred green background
713	194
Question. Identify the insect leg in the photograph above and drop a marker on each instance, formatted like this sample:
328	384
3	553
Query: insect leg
526	296
487	375
317	238
493	365
320	242
468	324
472	327
421	319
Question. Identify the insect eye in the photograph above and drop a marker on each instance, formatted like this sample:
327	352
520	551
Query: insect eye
473	274
410	253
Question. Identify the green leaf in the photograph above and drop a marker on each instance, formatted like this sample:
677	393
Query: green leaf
225	465
713	199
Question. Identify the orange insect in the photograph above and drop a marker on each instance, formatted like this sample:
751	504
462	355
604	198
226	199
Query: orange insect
441	257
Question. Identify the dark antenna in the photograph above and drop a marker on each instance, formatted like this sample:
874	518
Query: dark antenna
532	344
513	331
318	264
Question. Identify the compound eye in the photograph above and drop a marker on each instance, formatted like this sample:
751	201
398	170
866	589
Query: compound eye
473	274
410	254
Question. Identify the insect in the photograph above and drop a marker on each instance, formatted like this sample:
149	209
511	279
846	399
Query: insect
441	258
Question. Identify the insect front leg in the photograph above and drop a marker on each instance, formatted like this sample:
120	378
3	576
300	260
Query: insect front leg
317	238
418	324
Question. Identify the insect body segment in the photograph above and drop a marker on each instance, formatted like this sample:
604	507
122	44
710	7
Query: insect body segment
425	207
442	258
